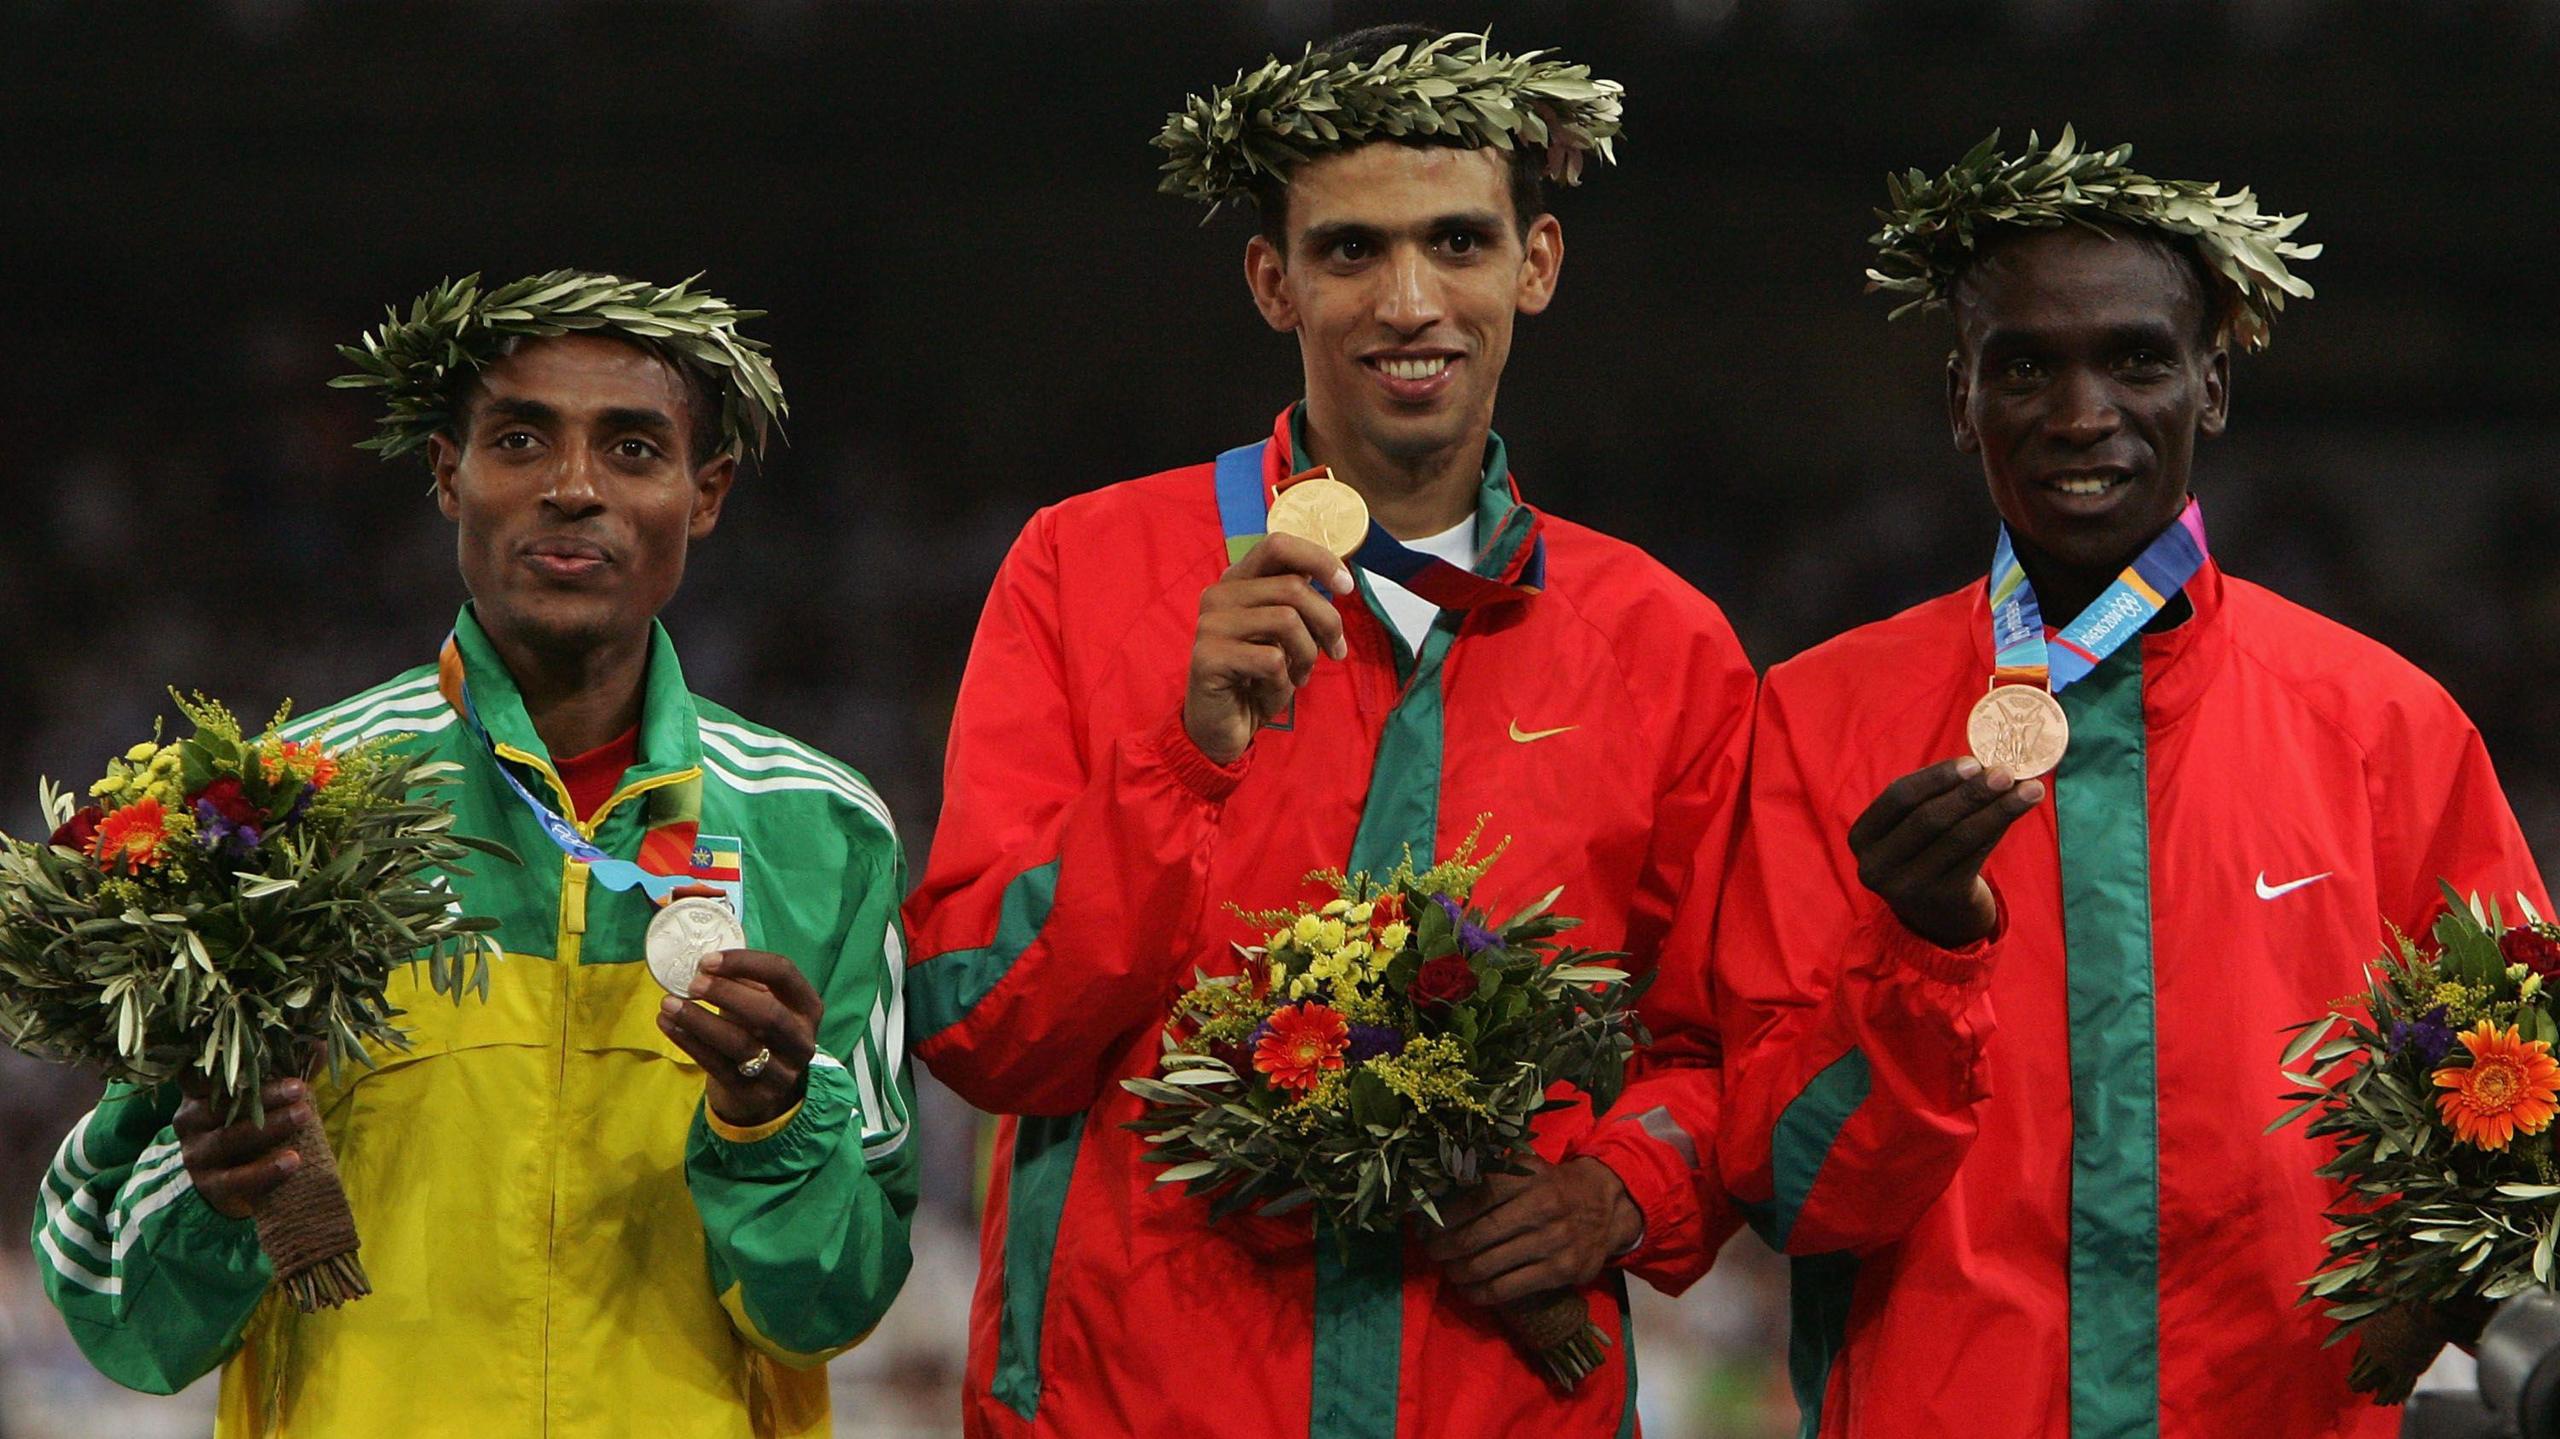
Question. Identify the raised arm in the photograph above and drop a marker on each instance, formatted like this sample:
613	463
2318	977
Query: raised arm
1068	882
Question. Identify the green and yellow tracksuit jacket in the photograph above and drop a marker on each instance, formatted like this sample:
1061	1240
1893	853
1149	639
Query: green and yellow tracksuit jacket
562	1240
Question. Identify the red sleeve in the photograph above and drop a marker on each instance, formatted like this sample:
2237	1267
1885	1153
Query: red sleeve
1058	910
2440	818
1660	1137
1857	1047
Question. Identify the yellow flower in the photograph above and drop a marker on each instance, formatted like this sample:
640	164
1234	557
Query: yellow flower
1359	913
112	784
1334	908
1279	937
1304	932
1302	986
1332	934
1393	937
142	751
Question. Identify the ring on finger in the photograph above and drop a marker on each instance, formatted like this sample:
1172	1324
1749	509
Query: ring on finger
754	1064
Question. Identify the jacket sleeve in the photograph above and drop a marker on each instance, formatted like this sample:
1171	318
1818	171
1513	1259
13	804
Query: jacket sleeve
1856	1048
154	1285
1058	910
1659	1138
2440	818
806	1218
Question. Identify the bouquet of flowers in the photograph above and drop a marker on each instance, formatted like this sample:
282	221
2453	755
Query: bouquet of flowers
1382	1050
229	911
2438	1084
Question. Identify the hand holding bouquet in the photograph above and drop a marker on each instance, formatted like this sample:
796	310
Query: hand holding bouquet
2440	1089
1381	1051
229	911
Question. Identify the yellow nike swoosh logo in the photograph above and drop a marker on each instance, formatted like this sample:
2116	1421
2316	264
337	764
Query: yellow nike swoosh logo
1525	736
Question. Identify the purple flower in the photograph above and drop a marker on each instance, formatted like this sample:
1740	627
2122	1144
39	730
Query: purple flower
1372	1041
2428	1036
1470	937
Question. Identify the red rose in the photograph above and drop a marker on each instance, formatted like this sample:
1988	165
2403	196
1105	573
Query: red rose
80	829
226	799
2531	948
1444	981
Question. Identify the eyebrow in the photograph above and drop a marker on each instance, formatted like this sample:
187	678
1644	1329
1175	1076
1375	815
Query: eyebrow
534	412
531	412
622	418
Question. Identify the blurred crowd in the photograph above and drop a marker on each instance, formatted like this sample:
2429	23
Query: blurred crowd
979	308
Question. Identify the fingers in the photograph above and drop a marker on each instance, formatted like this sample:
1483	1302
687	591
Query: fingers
1271	627
1530	1264
775	973
1290	555
236	1165
1276	608
1906	794
1968	842
234	1191
1893	850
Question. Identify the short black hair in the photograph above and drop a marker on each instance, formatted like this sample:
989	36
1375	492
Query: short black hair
2215	301
1527	163
704	439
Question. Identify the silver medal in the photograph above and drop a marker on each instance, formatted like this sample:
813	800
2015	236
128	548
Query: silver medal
684	933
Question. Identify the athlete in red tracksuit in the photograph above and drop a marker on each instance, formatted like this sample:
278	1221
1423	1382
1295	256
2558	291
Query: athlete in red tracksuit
2001	1053
1086	851
1905	1121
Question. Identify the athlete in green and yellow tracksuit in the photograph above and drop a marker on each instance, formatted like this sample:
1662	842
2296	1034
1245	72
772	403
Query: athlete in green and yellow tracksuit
564	1236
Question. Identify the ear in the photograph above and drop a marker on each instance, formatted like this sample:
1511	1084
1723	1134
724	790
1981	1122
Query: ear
1541	261
2217	392
1266	273
710	491
1960	403
444	457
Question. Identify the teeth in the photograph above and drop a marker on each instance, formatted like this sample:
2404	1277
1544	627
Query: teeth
2093	485
1414	369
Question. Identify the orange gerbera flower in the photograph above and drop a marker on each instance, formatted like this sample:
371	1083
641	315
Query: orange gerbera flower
2507	1089
1300	1043
131	838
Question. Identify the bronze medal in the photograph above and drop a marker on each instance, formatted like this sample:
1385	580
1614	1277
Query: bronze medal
1324	510
2019	728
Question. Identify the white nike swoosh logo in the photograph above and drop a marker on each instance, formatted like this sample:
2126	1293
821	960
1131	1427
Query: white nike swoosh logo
1530	736
2279	891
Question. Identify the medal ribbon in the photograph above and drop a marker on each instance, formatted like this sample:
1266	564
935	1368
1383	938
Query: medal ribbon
2018	641
666	850
1244	511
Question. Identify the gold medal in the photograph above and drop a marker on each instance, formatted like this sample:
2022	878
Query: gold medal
1324	510
2019	728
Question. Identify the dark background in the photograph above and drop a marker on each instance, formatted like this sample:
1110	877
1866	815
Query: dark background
980	305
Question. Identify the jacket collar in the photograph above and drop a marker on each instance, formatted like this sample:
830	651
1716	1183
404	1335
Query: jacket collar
670	744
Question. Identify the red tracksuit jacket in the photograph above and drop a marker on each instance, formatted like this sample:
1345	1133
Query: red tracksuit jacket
1085	856
2028	1183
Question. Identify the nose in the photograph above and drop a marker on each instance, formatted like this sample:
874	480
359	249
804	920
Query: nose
1409	301
574	492
2084	410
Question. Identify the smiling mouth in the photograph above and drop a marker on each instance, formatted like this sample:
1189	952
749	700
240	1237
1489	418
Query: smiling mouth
1411	367
2091	483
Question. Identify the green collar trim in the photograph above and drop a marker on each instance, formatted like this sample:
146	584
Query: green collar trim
670	743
